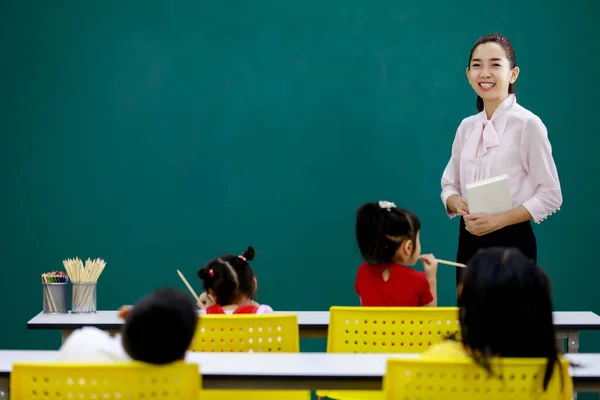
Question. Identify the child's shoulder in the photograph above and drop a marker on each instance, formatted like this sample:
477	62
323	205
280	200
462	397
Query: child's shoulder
87	334
264	309
371	268
253	308
92	344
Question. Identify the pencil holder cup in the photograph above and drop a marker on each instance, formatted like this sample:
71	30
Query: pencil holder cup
84	298
55	298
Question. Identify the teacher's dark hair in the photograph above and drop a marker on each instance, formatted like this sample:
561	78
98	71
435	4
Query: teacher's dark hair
508	50
381	231
502	290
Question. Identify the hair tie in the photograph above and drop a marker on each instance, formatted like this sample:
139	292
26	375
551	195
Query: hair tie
387	205
242	257
211	273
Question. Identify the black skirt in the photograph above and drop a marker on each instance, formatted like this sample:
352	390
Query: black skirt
519	235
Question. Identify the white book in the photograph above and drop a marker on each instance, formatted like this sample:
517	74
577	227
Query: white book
491	196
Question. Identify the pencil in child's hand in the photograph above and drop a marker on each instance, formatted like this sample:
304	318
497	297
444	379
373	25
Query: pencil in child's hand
188	286
455	264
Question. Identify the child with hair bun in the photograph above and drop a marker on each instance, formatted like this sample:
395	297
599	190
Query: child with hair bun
388	238
229	285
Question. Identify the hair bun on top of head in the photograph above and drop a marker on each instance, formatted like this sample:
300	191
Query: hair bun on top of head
248	254
207	273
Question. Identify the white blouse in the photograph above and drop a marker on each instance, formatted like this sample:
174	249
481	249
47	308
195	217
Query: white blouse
514	142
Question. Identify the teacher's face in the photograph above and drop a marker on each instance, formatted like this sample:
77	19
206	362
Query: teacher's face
489	72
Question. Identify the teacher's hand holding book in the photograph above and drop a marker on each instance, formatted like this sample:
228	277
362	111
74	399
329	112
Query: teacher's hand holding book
480	224
458	205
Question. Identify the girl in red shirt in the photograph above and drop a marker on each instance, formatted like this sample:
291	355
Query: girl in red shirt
388	239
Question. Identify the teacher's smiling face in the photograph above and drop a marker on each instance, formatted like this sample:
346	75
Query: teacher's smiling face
490	72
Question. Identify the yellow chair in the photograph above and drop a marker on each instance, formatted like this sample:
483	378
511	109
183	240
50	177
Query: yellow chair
110	381
276	333
462	379
386	330
266	333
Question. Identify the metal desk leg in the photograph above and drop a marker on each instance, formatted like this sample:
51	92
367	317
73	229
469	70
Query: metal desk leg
573	347
560	341
4	383
573	342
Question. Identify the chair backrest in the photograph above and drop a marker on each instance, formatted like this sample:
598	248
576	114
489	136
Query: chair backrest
275	333
115	381
462	379
389	329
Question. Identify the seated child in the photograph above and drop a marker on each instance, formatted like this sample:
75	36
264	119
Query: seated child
505	311
388	239
158	329
229	285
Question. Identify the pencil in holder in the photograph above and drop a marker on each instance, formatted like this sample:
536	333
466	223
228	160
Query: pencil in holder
55	298
84	298
84	280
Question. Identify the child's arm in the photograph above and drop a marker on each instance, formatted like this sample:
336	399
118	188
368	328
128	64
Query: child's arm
430	266
433	288
124	311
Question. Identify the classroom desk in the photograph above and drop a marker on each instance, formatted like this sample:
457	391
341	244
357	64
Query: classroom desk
302	371
313	324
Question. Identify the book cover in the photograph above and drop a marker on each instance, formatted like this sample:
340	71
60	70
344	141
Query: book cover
491	196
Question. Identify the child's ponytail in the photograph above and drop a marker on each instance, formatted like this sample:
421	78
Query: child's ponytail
208	274
248	254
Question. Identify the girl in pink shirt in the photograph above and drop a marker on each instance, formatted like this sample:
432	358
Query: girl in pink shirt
503	138
229	284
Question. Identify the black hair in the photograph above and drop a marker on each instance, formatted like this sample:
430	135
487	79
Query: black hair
229	277
506	309
381	231
160	327
508	50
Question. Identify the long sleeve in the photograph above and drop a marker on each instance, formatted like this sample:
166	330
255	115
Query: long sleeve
451	176
536	155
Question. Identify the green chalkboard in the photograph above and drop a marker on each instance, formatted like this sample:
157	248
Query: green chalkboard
157	135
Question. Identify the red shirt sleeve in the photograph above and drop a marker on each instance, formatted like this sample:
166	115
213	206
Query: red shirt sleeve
426	296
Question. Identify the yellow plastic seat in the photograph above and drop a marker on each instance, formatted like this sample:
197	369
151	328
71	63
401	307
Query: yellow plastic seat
386	330
266	333
103	381
462	379
277	333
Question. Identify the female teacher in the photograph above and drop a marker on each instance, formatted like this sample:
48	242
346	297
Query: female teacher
503	138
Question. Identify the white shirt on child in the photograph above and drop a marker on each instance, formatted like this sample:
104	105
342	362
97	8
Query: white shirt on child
95	345
92	345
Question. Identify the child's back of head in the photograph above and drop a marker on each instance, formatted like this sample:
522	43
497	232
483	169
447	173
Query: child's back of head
229	279
388	239
160	327
382	229
506	308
